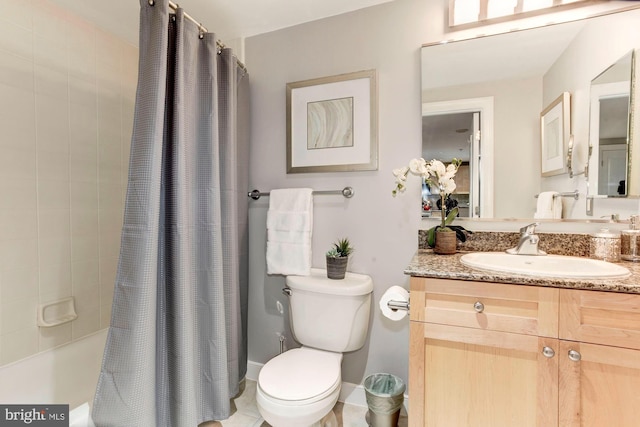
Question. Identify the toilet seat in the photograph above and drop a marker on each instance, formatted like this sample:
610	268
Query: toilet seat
301	376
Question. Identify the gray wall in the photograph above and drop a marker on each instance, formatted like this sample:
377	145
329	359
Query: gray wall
387	38
383	229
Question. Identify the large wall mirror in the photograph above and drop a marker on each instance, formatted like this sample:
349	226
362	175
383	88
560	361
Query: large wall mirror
482	101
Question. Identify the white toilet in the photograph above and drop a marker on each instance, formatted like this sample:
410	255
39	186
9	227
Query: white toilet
328	317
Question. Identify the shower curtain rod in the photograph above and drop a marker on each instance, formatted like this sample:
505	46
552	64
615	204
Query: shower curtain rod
347	192
219	44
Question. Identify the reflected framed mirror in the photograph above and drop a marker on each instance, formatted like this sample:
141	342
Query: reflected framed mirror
516	75
609	129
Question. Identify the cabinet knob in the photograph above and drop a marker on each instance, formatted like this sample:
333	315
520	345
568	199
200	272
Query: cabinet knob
548	352
574	355
478	307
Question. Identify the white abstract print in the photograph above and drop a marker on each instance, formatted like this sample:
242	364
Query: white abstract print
330	123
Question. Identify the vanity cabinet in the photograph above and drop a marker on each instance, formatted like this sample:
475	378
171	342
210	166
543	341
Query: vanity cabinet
496	355
476	356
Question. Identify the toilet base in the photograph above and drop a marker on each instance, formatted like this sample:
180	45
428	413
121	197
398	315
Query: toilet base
329	420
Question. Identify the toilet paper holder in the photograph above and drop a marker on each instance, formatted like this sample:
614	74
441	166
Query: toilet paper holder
398	305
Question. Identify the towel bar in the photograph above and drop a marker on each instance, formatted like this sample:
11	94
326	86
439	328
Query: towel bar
575	194
347	192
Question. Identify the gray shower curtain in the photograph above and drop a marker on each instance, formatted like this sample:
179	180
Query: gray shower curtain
176	349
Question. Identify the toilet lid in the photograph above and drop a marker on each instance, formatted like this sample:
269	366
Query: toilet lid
301	373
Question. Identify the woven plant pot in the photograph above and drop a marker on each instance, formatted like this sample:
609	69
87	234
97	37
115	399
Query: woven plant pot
337	267
446	243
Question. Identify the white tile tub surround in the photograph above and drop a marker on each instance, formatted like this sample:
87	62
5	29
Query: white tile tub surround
67	94
65	375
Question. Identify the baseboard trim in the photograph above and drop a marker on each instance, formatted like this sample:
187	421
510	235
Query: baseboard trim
253	370
351	394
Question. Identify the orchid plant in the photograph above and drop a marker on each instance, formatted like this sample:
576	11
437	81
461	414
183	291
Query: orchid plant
437	176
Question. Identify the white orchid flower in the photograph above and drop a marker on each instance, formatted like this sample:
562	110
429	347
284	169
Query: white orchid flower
447	186
434	173
437	168
418	166
401	174
450	172
401	179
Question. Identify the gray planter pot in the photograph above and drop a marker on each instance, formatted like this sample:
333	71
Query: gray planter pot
336	267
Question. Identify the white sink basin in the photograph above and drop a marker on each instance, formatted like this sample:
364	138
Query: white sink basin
544	266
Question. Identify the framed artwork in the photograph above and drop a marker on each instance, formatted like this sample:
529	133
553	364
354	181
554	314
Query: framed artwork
332	124
555	129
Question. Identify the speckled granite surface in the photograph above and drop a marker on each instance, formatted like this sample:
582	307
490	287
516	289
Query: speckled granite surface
551	243
427	264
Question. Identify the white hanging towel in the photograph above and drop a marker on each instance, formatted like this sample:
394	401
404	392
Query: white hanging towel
549	205
289	227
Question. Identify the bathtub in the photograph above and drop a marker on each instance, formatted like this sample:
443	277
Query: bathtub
81	416
67	375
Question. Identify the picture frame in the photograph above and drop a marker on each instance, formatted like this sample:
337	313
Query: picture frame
332	124
555	131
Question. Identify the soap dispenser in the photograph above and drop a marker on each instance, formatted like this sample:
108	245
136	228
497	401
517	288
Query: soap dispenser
630	241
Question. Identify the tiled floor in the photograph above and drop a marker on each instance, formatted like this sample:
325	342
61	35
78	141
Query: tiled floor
247	415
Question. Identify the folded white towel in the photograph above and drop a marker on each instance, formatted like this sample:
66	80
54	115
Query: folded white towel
549	205
289	228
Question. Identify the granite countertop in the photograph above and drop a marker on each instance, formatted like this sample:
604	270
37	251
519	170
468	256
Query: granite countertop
427	264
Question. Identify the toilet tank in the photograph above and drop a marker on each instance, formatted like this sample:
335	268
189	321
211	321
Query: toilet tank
328	314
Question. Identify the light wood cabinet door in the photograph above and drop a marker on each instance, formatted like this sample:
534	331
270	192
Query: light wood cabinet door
461	377
602	388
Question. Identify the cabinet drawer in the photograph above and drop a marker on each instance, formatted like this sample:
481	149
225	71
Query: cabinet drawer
519	309
600	317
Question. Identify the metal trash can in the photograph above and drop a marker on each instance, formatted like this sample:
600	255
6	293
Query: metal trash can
385	394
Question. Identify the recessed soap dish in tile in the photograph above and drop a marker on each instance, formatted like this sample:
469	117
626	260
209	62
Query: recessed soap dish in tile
56	313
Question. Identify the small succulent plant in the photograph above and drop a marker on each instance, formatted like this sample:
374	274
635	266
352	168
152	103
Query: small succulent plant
342	248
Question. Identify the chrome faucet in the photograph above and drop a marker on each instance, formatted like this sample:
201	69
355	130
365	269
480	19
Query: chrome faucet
528	244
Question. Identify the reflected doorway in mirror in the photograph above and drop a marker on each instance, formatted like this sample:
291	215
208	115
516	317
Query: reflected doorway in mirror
440	128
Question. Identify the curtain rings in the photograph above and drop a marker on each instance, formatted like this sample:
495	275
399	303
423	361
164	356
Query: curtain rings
152	3
201	31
